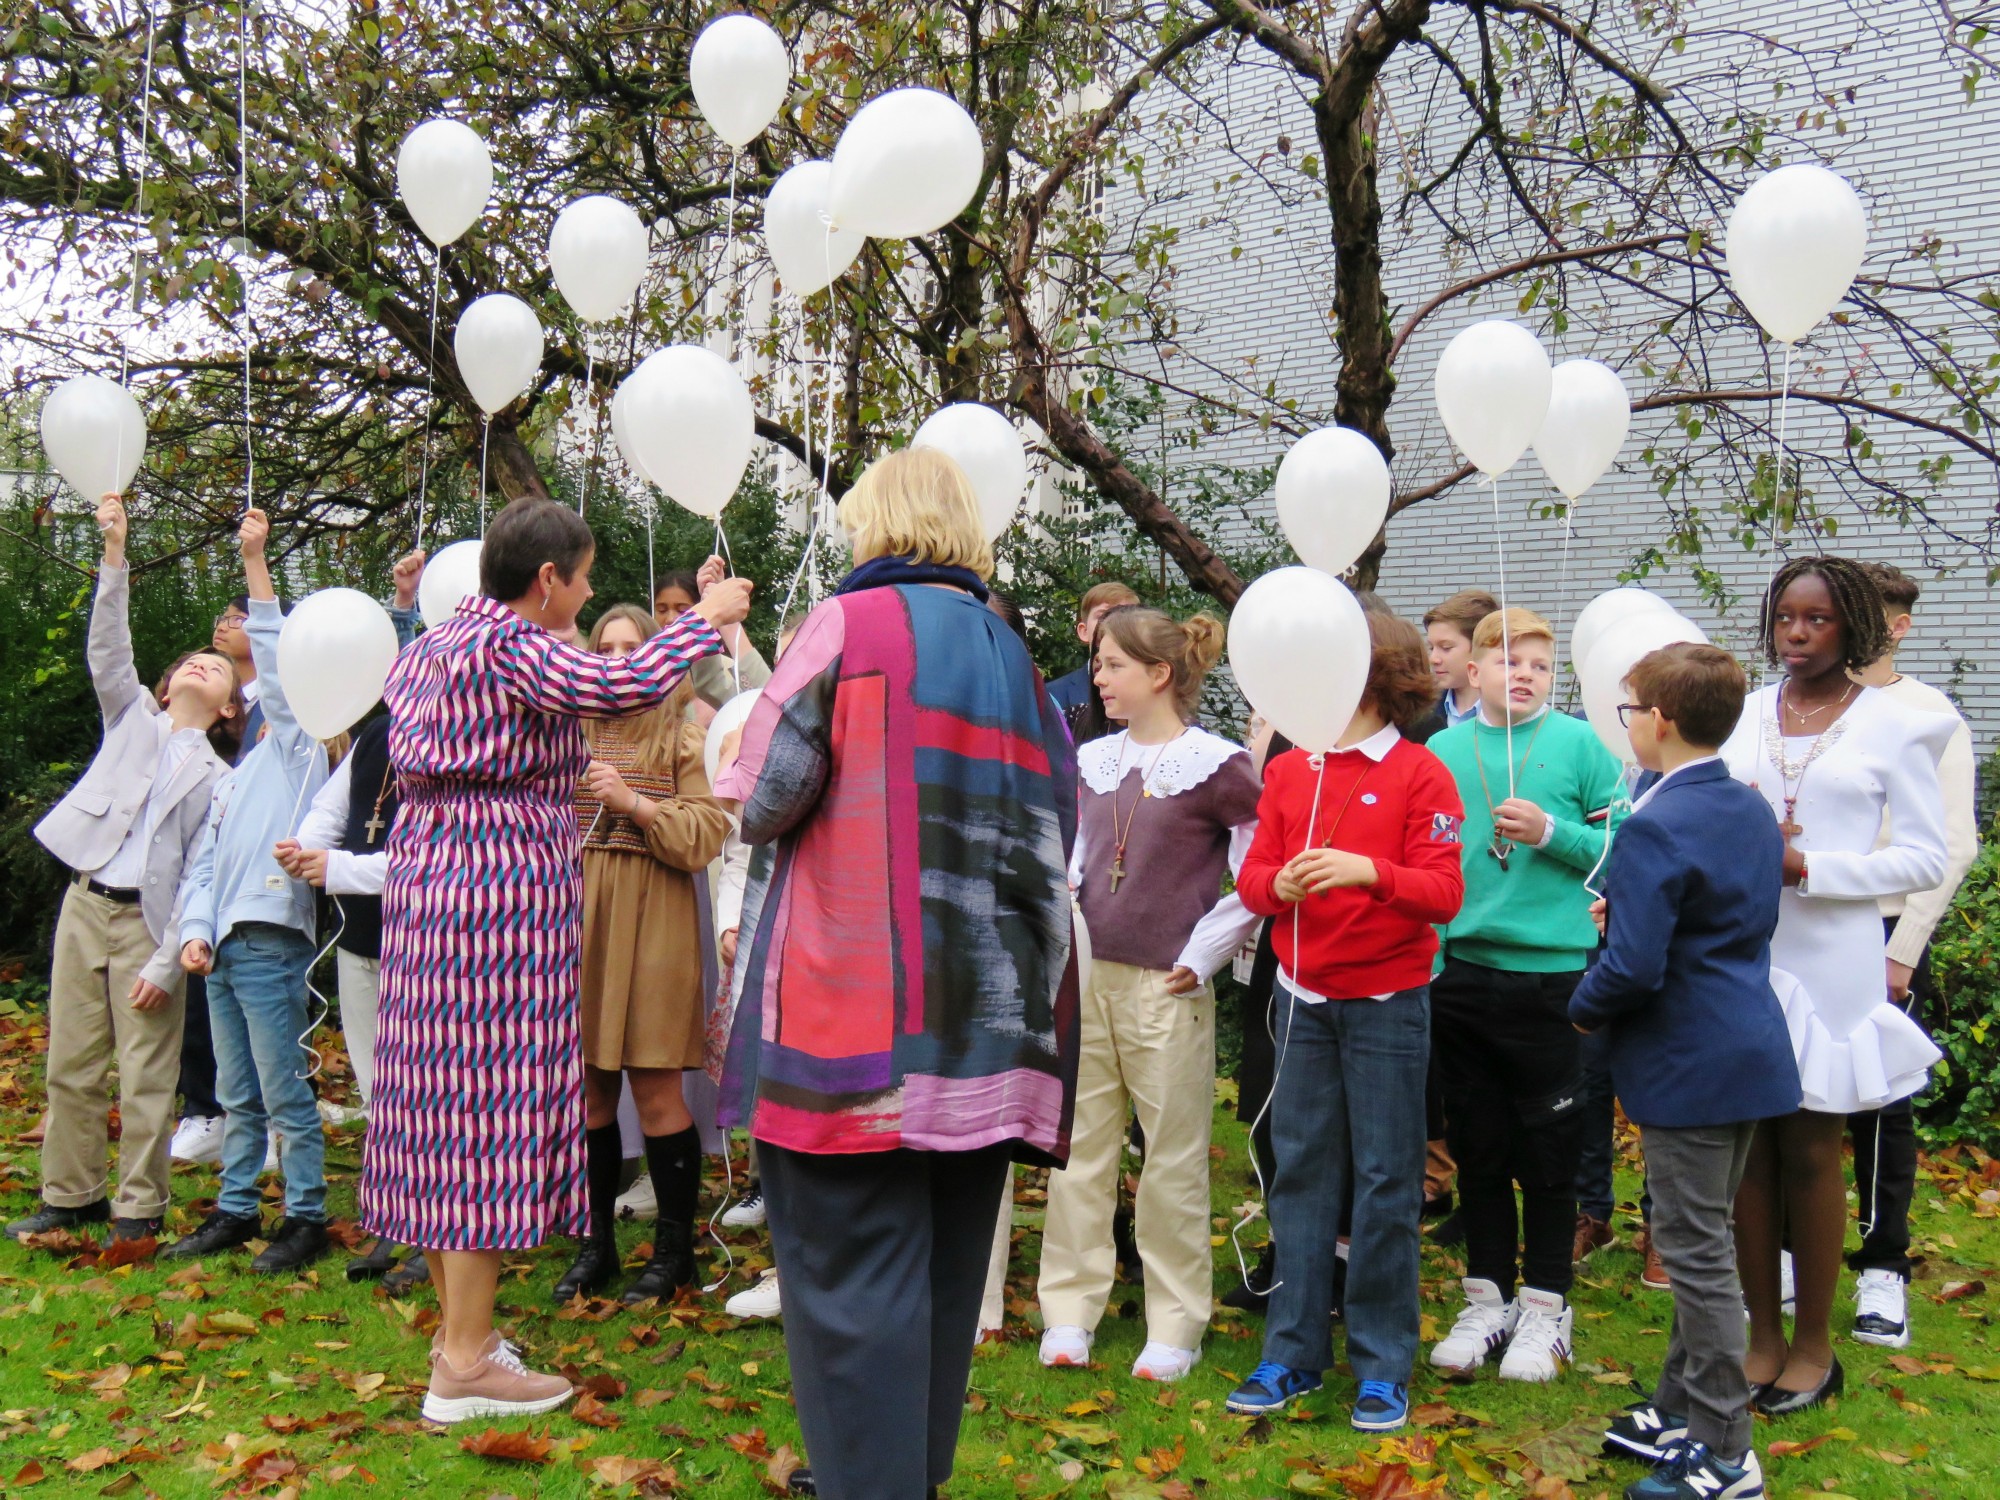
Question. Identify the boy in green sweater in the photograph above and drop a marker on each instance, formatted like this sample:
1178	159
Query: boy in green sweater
1538	789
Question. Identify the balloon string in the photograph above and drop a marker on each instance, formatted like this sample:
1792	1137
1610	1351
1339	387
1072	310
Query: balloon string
430	400
1506	643
729	257
1562	576
596	418
1777	502
485	432
652	588
139	231
243	240
832	328
729	563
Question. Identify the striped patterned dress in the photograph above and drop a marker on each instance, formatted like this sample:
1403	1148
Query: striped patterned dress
475	1134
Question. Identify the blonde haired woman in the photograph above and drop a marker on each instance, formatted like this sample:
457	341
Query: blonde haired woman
906	1011
650	828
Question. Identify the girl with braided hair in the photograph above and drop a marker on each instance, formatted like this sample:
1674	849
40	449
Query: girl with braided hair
1831	758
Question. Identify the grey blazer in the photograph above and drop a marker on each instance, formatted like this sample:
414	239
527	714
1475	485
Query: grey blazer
85	829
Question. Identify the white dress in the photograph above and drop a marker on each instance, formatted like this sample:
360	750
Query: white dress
1855	1050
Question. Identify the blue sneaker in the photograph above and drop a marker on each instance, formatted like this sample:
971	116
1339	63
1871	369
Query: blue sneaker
1383	1406
1272	1387
1690	1471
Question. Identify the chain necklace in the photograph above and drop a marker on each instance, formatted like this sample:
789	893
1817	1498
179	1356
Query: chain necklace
1121	834
372	829
1500	848
1803	714
1792	773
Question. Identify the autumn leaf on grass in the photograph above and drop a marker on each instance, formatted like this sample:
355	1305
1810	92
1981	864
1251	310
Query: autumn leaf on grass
1091	1434
61	1242
513	1447
1444	1414
752	1444
96	1458
594	1413
30	1472
1956	1291
779	1468
651	1398
225	1324
126	1253
603	1387
1569	1452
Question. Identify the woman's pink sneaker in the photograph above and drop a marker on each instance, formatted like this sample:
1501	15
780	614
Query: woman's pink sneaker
497	1385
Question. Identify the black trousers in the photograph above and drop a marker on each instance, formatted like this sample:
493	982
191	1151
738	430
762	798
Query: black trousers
1885	1159
197	1080
884	1259
1514	1112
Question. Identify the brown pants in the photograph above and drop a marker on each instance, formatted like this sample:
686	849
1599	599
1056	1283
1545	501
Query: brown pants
100	947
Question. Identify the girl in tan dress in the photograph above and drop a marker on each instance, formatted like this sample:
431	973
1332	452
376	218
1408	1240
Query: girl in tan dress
649	830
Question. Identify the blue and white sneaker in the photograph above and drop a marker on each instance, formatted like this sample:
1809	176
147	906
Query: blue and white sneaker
1272	1387
1382	1407
1644	1430
1691	1472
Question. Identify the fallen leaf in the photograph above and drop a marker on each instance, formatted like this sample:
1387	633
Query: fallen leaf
1907	1365
752	1444
30	1473
124	1484
512	1447
594	1413
1789	1449
1092	1434
779	1469
127	1252
96	1458
1954	1291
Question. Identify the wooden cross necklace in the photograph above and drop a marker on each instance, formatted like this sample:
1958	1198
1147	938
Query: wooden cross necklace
376	822
1121	834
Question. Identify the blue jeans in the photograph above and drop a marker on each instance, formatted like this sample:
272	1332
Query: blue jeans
257	1012
1347	1119
1595	1193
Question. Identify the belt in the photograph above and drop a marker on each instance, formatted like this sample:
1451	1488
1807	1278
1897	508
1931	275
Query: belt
108	892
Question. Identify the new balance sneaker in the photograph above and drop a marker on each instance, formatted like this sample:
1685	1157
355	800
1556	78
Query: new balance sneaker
1066	1347
1164	1362
496	1385
1382	1407
198	1138
1272	1387
1644	1430
639	1201
748	1211
759	1301
1540	1348
1882	1310
1484	1325
1690	1471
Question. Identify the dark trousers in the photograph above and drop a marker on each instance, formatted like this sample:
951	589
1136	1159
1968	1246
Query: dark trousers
1512	1093
197	1080
1885	1159
884	1258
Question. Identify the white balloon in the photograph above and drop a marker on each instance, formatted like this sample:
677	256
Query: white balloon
739	71
988	447
1492	389
499	348
334	655
1333	496
808	252
598	251
1589	415
728	718
444	175
449	576
1606	610
687	425
1298	644
95	435
621	431
907	163
1617	651
1793	245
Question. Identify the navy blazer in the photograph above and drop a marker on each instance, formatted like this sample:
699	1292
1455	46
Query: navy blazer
1684	979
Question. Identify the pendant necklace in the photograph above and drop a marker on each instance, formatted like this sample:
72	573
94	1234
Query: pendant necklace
1792	773
373	827
1499	848
1121	834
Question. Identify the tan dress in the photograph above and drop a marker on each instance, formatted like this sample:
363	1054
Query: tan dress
642	1001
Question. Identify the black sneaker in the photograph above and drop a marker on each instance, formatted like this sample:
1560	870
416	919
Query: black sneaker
219	1231
48	1218
298	1242
136	1229
1642	1430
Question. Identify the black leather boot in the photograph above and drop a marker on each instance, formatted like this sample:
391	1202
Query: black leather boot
298	1242
219	1231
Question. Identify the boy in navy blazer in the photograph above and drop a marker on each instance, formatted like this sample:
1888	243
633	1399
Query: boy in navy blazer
1698	1045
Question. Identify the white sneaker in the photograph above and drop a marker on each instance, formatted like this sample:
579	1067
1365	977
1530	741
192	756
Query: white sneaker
1882	1310
1162	1362
759	1301
1541	1349
339	1115
1066	1347
1484	1324
1788	1287
270	1155
748	1212
198	1138
639	1201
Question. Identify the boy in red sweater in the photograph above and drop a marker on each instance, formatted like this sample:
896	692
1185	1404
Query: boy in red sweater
1356	856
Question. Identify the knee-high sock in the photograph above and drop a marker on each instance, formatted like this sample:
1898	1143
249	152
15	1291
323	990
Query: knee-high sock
675	1162
602	1163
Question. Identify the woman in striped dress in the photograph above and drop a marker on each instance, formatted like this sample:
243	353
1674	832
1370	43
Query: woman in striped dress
475	1142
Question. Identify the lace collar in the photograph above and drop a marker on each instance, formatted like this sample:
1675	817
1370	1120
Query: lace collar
1182	764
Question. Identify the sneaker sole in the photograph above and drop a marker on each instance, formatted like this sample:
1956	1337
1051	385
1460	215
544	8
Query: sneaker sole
1064	1362
1453	1367
1610	1244
1139	1374
1538	1378
1378	1424
751	1316
1884	1340
1245	1409
730	1221
1658	1286
449	1409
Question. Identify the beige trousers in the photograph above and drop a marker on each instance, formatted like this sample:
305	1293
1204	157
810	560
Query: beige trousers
360	999
993	1306
1157	1050
100	947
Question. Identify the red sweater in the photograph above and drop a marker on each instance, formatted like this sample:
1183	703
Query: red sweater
1404	813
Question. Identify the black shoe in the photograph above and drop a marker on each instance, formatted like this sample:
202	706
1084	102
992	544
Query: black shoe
801	1483
135	1229
1450	1230
1254	1295
375	1264
219	1231
1778	1402
48	1218
670	1269
298	1242
1438	1207
1130	1266
595	1268
412	1273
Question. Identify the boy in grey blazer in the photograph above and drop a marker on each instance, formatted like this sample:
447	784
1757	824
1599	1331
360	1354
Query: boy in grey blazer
116	988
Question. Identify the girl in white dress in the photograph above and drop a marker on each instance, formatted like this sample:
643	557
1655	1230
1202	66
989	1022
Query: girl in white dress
1830	756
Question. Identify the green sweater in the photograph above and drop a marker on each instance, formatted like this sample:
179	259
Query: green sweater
1533	916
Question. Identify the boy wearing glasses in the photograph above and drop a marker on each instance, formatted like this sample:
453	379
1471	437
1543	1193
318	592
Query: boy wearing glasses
1537	787
233	641
1698	1046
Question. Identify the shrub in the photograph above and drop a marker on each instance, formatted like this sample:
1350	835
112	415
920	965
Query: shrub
1963	1102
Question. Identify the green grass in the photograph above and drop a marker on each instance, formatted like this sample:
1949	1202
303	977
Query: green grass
136	1382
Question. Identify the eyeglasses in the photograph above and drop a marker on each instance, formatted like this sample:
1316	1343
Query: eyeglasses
1626	710
230	618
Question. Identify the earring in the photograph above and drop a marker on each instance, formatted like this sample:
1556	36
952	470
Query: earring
545	601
